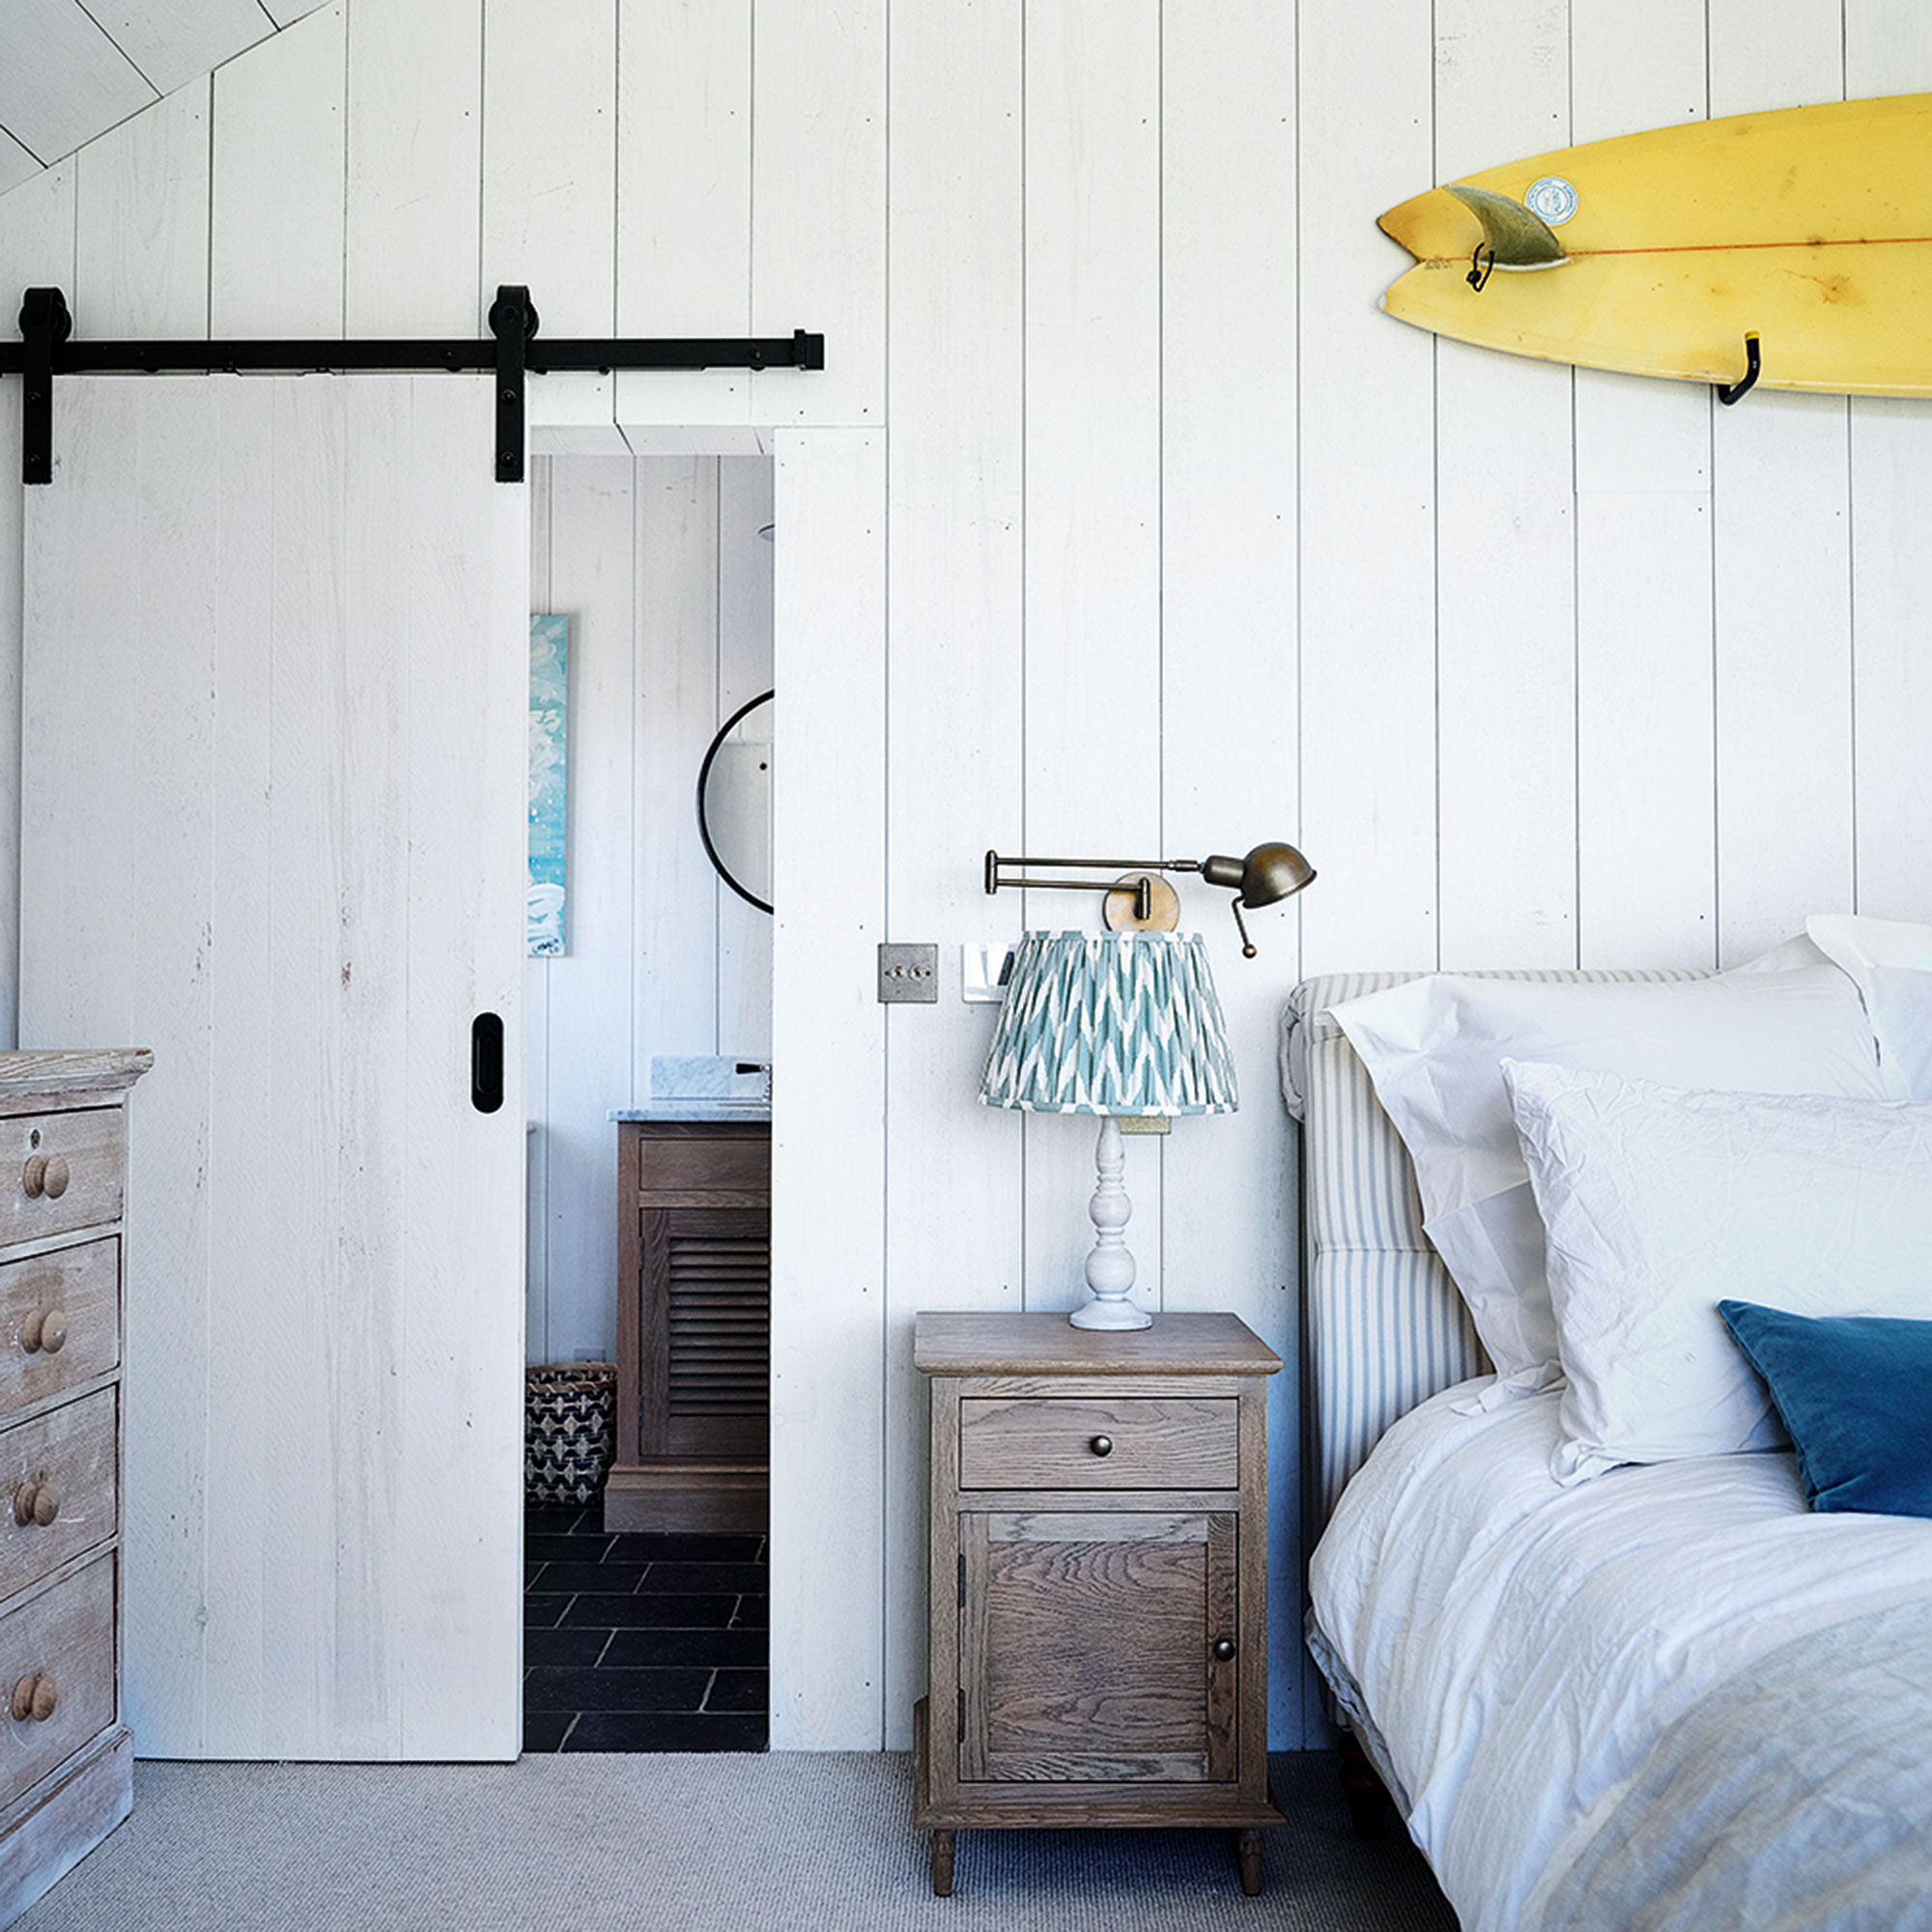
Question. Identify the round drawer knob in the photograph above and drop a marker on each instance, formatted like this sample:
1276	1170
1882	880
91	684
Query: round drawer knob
44	1328
1223	1648
34	1177
55	1179
1102	1445
37	1502
35	1698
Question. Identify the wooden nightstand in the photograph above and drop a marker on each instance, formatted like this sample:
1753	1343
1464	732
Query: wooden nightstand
1097	1636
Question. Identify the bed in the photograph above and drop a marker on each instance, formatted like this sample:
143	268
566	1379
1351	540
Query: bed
1612	1667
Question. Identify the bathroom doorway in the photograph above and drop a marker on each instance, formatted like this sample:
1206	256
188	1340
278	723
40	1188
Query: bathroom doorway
649	1637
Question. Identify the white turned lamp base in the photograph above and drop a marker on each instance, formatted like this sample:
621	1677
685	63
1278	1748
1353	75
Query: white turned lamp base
1116	1315
1110	1267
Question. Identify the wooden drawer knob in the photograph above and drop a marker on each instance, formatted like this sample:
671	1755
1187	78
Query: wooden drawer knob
1102	1445
45	1173
45	1329
37	1502
34	1697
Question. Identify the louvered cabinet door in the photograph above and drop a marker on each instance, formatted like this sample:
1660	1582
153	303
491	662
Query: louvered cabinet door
707	1333
693	1327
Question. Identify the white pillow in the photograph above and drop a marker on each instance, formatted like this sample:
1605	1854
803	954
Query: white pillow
1659	1204
1892	962
1435	1049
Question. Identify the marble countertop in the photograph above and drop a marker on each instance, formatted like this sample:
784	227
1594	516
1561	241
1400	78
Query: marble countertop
697	1107
717	1087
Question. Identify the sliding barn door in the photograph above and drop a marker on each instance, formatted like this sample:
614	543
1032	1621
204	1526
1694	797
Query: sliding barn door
275	719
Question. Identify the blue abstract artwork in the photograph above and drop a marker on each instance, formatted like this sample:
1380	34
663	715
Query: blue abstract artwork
550	652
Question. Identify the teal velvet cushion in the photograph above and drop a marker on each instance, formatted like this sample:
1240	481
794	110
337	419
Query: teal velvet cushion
1854	1394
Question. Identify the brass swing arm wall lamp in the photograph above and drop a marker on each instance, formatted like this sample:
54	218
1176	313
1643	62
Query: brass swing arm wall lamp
1139	900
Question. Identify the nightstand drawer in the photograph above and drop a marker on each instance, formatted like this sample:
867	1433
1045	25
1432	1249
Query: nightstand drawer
1099	1443
59	1172
56	1660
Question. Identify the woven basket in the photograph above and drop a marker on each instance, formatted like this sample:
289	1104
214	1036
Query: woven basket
569	1431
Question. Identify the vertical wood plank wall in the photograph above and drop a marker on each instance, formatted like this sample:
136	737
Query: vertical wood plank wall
1123	520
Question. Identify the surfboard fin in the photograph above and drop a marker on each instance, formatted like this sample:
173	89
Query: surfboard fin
1512	234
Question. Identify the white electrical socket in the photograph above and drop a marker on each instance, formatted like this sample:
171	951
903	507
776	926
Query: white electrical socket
982	973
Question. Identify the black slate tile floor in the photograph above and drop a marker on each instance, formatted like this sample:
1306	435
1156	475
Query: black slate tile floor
639	1643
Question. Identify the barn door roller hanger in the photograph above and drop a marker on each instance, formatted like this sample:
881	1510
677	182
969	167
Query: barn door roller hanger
514	351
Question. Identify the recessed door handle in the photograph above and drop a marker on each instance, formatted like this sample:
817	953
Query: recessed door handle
486	1063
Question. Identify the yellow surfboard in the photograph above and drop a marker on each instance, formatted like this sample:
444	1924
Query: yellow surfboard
1809	229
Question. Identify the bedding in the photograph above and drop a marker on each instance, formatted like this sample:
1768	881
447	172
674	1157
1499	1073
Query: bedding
1890	963
1791	1023
1661	1203
1674	1697
1383	1324
1854	1394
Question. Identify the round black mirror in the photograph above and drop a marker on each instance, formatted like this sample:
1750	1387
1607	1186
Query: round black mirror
734	802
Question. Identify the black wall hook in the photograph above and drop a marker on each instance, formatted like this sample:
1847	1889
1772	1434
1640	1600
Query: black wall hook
1729	392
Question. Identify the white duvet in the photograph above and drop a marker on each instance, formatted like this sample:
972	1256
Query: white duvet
1671	1697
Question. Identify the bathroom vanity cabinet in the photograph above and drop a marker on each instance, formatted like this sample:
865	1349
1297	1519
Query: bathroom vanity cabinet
694	1325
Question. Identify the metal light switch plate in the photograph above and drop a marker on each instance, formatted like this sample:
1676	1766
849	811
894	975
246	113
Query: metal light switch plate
909	974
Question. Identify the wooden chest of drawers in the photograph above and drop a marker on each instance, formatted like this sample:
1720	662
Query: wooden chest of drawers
66	1757
1097	1637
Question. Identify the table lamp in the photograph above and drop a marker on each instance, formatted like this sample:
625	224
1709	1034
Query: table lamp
1117	1024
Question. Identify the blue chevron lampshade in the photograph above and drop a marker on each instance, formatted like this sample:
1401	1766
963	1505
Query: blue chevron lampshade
1111	1023
1114	1023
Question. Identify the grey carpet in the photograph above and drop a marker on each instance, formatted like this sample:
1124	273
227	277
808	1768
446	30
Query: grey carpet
738	1843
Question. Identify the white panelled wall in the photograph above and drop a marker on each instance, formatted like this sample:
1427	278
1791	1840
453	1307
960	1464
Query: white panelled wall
659	564
1118	519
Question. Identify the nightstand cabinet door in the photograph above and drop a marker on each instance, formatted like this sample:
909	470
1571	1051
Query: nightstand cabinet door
1099	1646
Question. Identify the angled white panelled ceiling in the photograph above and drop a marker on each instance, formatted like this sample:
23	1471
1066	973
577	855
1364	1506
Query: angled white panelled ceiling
69	71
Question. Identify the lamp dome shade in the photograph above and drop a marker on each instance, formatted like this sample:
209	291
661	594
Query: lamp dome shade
1270	872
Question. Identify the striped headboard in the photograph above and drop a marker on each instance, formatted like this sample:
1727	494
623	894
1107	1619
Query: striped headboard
1383	1324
